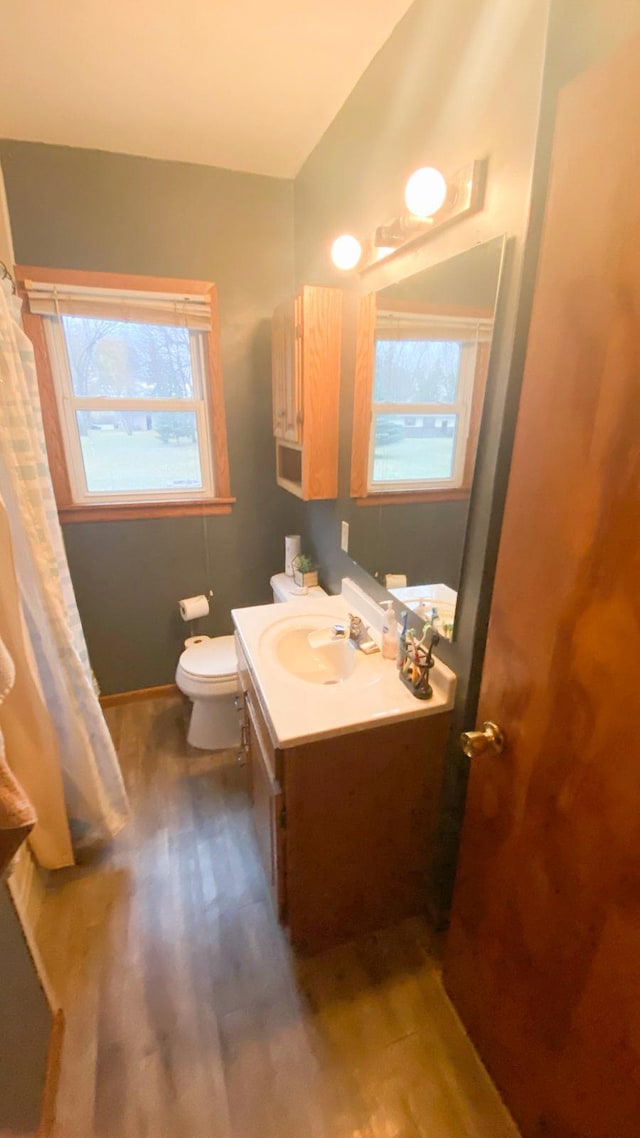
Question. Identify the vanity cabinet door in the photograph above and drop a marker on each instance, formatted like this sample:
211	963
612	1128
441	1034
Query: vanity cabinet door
268	812
241	709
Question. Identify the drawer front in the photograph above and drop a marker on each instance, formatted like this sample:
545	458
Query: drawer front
260	728
273	757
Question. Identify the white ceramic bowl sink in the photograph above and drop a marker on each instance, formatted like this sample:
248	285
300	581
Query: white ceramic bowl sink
335	662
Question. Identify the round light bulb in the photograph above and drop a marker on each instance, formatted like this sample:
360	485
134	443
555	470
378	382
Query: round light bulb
425	192
346	251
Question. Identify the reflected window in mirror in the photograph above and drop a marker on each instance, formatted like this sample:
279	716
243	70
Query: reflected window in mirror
423	346
420	376
429	372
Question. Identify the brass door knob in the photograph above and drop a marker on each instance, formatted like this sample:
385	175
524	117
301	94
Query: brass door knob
489	738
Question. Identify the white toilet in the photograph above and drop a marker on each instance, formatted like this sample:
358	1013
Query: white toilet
207	674
285	589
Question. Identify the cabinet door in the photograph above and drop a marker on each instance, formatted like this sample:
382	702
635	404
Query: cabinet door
294	394
281	364
286	380
268	814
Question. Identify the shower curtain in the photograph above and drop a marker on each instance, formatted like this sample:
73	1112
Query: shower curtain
94	794
32	752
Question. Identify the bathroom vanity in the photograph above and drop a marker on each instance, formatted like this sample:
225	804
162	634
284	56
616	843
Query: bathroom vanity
345	775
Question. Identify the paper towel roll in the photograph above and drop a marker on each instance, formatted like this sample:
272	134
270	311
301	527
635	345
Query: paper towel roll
193	607
395	580
291	551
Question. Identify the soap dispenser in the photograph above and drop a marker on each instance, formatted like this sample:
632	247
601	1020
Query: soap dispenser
390	641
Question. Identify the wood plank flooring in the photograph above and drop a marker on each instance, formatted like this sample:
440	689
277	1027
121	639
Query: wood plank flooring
188	1016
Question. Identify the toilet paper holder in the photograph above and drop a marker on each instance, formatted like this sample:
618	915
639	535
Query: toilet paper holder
194	608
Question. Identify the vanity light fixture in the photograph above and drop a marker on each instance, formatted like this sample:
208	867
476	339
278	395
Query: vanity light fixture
425	192
432	201
463	195
346	252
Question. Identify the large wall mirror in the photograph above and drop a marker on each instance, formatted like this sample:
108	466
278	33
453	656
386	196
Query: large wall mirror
422	367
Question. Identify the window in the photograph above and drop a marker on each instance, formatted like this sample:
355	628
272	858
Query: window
132	406
417	408
131	393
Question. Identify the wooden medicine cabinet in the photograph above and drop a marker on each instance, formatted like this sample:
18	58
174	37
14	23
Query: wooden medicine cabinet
306	337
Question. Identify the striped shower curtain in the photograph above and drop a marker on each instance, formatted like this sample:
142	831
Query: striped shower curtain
95	799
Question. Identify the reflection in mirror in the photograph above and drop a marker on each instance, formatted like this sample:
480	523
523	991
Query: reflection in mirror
421	375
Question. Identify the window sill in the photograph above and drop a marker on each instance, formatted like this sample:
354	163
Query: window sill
404	497
136	511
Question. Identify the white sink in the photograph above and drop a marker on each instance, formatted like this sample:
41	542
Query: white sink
314	691
332	662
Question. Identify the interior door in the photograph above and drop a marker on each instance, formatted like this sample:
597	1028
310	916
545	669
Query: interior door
543	955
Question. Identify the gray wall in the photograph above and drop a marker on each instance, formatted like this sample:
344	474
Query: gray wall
84	209
454	82
25	1019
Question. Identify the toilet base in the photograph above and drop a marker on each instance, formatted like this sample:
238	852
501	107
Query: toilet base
214	724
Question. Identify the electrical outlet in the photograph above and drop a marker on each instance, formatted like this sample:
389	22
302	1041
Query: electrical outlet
344	537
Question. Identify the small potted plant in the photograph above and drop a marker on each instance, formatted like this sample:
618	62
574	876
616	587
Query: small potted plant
305	572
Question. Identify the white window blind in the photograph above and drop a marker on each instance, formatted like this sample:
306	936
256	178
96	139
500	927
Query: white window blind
188	311
395	324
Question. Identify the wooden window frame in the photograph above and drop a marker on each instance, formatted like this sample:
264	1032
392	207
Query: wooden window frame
363	410
34	326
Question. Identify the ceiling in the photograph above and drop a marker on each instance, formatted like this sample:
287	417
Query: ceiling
246	84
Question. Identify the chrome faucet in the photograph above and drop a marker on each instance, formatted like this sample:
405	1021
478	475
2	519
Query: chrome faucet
356	629
355	633
360	636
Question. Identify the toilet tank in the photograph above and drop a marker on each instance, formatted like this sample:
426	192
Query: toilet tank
285	589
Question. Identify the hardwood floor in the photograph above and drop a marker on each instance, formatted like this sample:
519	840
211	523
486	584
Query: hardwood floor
188	1015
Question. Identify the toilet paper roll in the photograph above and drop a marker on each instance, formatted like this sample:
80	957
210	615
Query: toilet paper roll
193	607
395	581
291	551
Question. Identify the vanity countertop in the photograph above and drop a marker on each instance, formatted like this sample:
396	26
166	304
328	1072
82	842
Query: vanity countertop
300	711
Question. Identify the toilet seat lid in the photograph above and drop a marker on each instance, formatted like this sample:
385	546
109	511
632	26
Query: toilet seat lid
213	658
